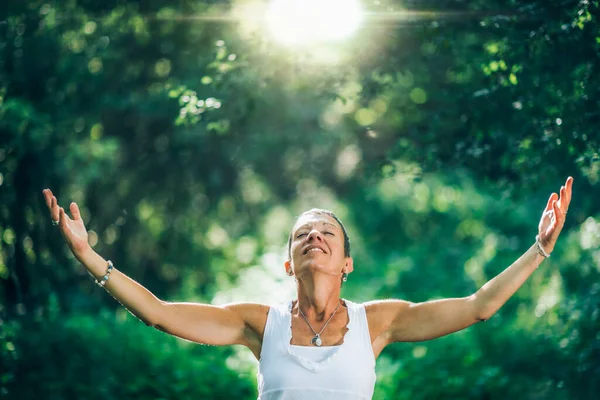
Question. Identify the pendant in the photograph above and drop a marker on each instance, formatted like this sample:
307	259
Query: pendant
316	340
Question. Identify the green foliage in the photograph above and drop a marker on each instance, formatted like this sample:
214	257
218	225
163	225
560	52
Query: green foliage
102	357
190	144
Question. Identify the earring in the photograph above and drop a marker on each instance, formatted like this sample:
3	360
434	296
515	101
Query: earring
344	277
290	272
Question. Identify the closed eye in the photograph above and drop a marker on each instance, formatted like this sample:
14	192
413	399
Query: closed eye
300	235
329	233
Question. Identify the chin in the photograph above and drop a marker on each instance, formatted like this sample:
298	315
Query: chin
313	265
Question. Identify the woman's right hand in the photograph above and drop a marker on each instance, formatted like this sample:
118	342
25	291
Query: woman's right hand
73	230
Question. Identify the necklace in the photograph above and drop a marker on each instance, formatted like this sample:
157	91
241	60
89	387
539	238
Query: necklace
316	340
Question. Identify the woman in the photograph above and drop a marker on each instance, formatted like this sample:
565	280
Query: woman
319	345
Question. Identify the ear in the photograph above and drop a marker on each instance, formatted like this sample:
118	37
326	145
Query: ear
288	268
348	265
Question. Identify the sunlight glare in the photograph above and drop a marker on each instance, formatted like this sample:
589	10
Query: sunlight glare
305	22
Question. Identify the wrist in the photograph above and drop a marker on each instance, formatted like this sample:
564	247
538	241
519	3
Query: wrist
84	254
542	250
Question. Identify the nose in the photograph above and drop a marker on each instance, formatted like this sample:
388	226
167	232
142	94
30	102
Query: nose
315	235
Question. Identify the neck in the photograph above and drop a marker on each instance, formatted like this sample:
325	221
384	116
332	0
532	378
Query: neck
318	298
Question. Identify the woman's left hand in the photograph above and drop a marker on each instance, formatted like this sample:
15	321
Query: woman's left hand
554	216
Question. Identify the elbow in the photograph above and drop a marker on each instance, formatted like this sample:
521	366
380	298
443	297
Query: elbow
148	321
481	311
153	318
482	319
483	315
150	324
487	310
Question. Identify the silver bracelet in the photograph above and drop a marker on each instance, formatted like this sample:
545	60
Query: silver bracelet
540	249
102	281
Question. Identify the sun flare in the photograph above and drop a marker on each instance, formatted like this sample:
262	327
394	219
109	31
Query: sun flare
306	22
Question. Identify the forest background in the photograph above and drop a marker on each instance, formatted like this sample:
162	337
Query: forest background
437	133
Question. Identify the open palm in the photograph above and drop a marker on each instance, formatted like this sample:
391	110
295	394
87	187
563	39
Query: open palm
554	216
72	229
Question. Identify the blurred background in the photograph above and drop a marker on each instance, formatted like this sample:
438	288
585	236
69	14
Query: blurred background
191	133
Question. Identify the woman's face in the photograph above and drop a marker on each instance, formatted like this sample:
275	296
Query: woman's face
318	245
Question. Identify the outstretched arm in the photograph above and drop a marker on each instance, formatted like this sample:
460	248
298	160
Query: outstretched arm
394	320
202	323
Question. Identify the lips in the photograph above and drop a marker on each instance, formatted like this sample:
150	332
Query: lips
315	249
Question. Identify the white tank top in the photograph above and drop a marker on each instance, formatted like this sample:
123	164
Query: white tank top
289	372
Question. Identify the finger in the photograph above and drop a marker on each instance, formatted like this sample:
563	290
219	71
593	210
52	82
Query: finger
54	211
561	198
569	186
552	198
558	213
62	218
565	195
48	198
67	216
75	211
